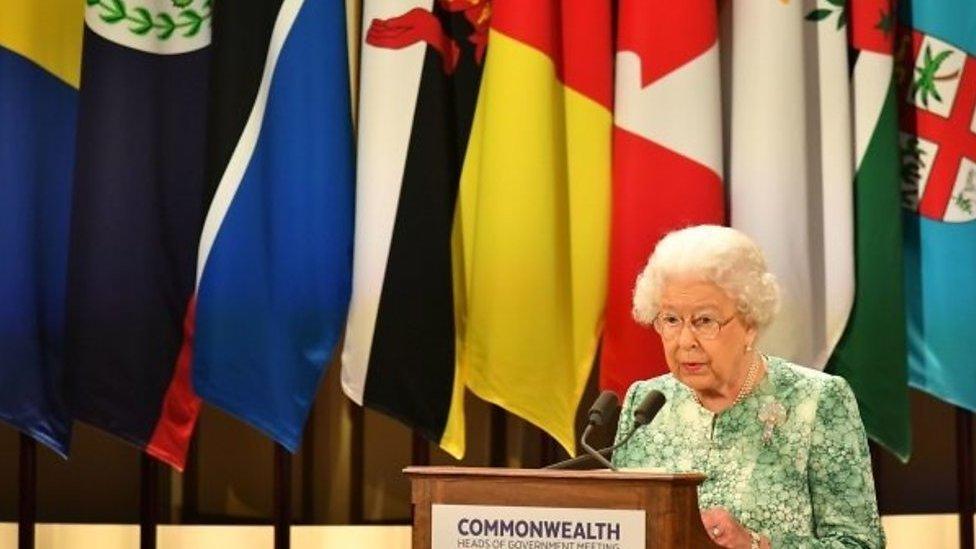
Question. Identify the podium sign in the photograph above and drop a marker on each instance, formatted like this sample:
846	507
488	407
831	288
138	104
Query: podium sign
494	508
523	527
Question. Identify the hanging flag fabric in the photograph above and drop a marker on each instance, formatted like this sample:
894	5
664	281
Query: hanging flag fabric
791	165
276	250
877	373
40	59
667	160
137	209
420	70
533	225
937	100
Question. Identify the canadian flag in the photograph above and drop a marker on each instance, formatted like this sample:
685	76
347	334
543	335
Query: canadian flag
667	159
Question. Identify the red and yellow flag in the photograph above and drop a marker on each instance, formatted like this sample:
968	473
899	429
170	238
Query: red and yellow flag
532	224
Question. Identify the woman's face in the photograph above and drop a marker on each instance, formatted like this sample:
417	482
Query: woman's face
713	364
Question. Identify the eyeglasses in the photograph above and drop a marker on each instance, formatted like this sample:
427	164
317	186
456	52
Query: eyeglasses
703	326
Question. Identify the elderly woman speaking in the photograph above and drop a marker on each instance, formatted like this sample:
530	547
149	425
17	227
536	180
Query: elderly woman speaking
782	446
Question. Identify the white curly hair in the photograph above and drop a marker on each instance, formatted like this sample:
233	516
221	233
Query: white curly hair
720	255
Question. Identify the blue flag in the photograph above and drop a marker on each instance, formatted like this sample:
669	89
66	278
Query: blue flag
40	57
937	100
274	267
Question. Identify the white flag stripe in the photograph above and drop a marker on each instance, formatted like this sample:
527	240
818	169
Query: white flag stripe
230	181
837	184
661	111
869	88
768	174
791	168
389	84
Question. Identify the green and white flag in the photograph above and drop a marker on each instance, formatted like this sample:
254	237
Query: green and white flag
791	165
872	353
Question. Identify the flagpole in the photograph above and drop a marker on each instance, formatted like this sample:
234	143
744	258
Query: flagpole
27	508
282	497
308	469
546	450
190	509
875	452
499	439
421	450
356	459
964	472
148	501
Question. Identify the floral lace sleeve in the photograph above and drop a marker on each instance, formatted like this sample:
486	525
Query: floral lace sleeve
845	512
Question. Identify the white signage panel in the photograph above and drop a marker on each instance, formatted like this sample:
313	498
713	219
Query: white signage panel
497	527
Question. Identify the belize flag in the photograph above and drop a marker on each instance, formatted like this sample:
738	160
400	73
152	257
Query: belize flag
937	78
275	255
137	210
40	59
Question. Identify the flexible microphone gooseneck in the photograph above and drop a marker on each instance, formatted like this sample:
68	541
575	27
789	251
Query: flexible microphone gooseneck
649	406
601	410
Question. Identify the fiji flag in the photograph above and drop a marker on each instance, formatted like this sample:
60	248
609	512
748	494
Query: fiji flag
937	55
40	57
275	255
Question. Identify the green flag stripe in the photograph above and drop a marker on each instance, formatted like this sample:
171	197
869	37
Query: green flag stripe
871	354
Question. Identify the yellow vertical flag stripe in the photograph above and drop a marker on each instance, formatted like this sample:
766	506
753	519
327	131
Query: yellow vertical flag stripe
48	32
452	440
531	239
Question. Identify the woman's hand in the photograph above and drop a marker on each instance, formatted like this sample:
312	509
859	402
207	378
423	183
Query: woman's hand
724	530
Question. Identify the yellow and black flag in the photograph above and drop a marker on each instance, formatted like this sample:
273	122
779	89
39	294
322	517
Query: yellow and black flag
483	206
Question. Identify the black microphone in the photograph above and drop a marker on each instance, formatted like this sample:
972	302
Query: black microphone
601	410
644	413
649	406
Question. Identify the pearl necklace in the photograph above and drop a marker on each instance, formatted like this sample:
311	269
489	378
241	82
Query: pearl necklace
746	385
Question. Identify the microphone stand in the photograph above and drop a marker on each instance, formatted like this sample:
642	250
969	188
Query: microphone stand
591	452
643	415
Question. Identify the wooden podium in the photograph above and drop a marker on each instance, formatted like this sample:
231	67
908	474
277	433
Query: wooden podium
670	501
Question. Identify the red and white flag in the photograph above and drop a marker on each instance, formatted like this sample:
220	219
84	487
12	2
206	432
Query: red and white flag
667	159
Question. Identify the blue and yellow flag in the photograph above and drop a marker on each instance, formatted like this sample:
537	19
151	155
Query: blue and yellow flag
40	58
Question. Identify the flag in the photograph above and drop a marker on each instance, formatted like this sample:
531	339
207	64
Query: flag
276	248
420	70
937	100
667	160
534	207
40	58
877	373
791	162
137	209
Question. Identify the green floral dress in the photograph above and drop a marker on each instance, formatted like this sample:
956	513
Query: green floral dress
802	477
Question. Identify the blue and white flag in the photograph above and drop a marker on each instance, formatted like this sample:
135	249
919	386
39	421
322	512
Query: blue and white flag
274	263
